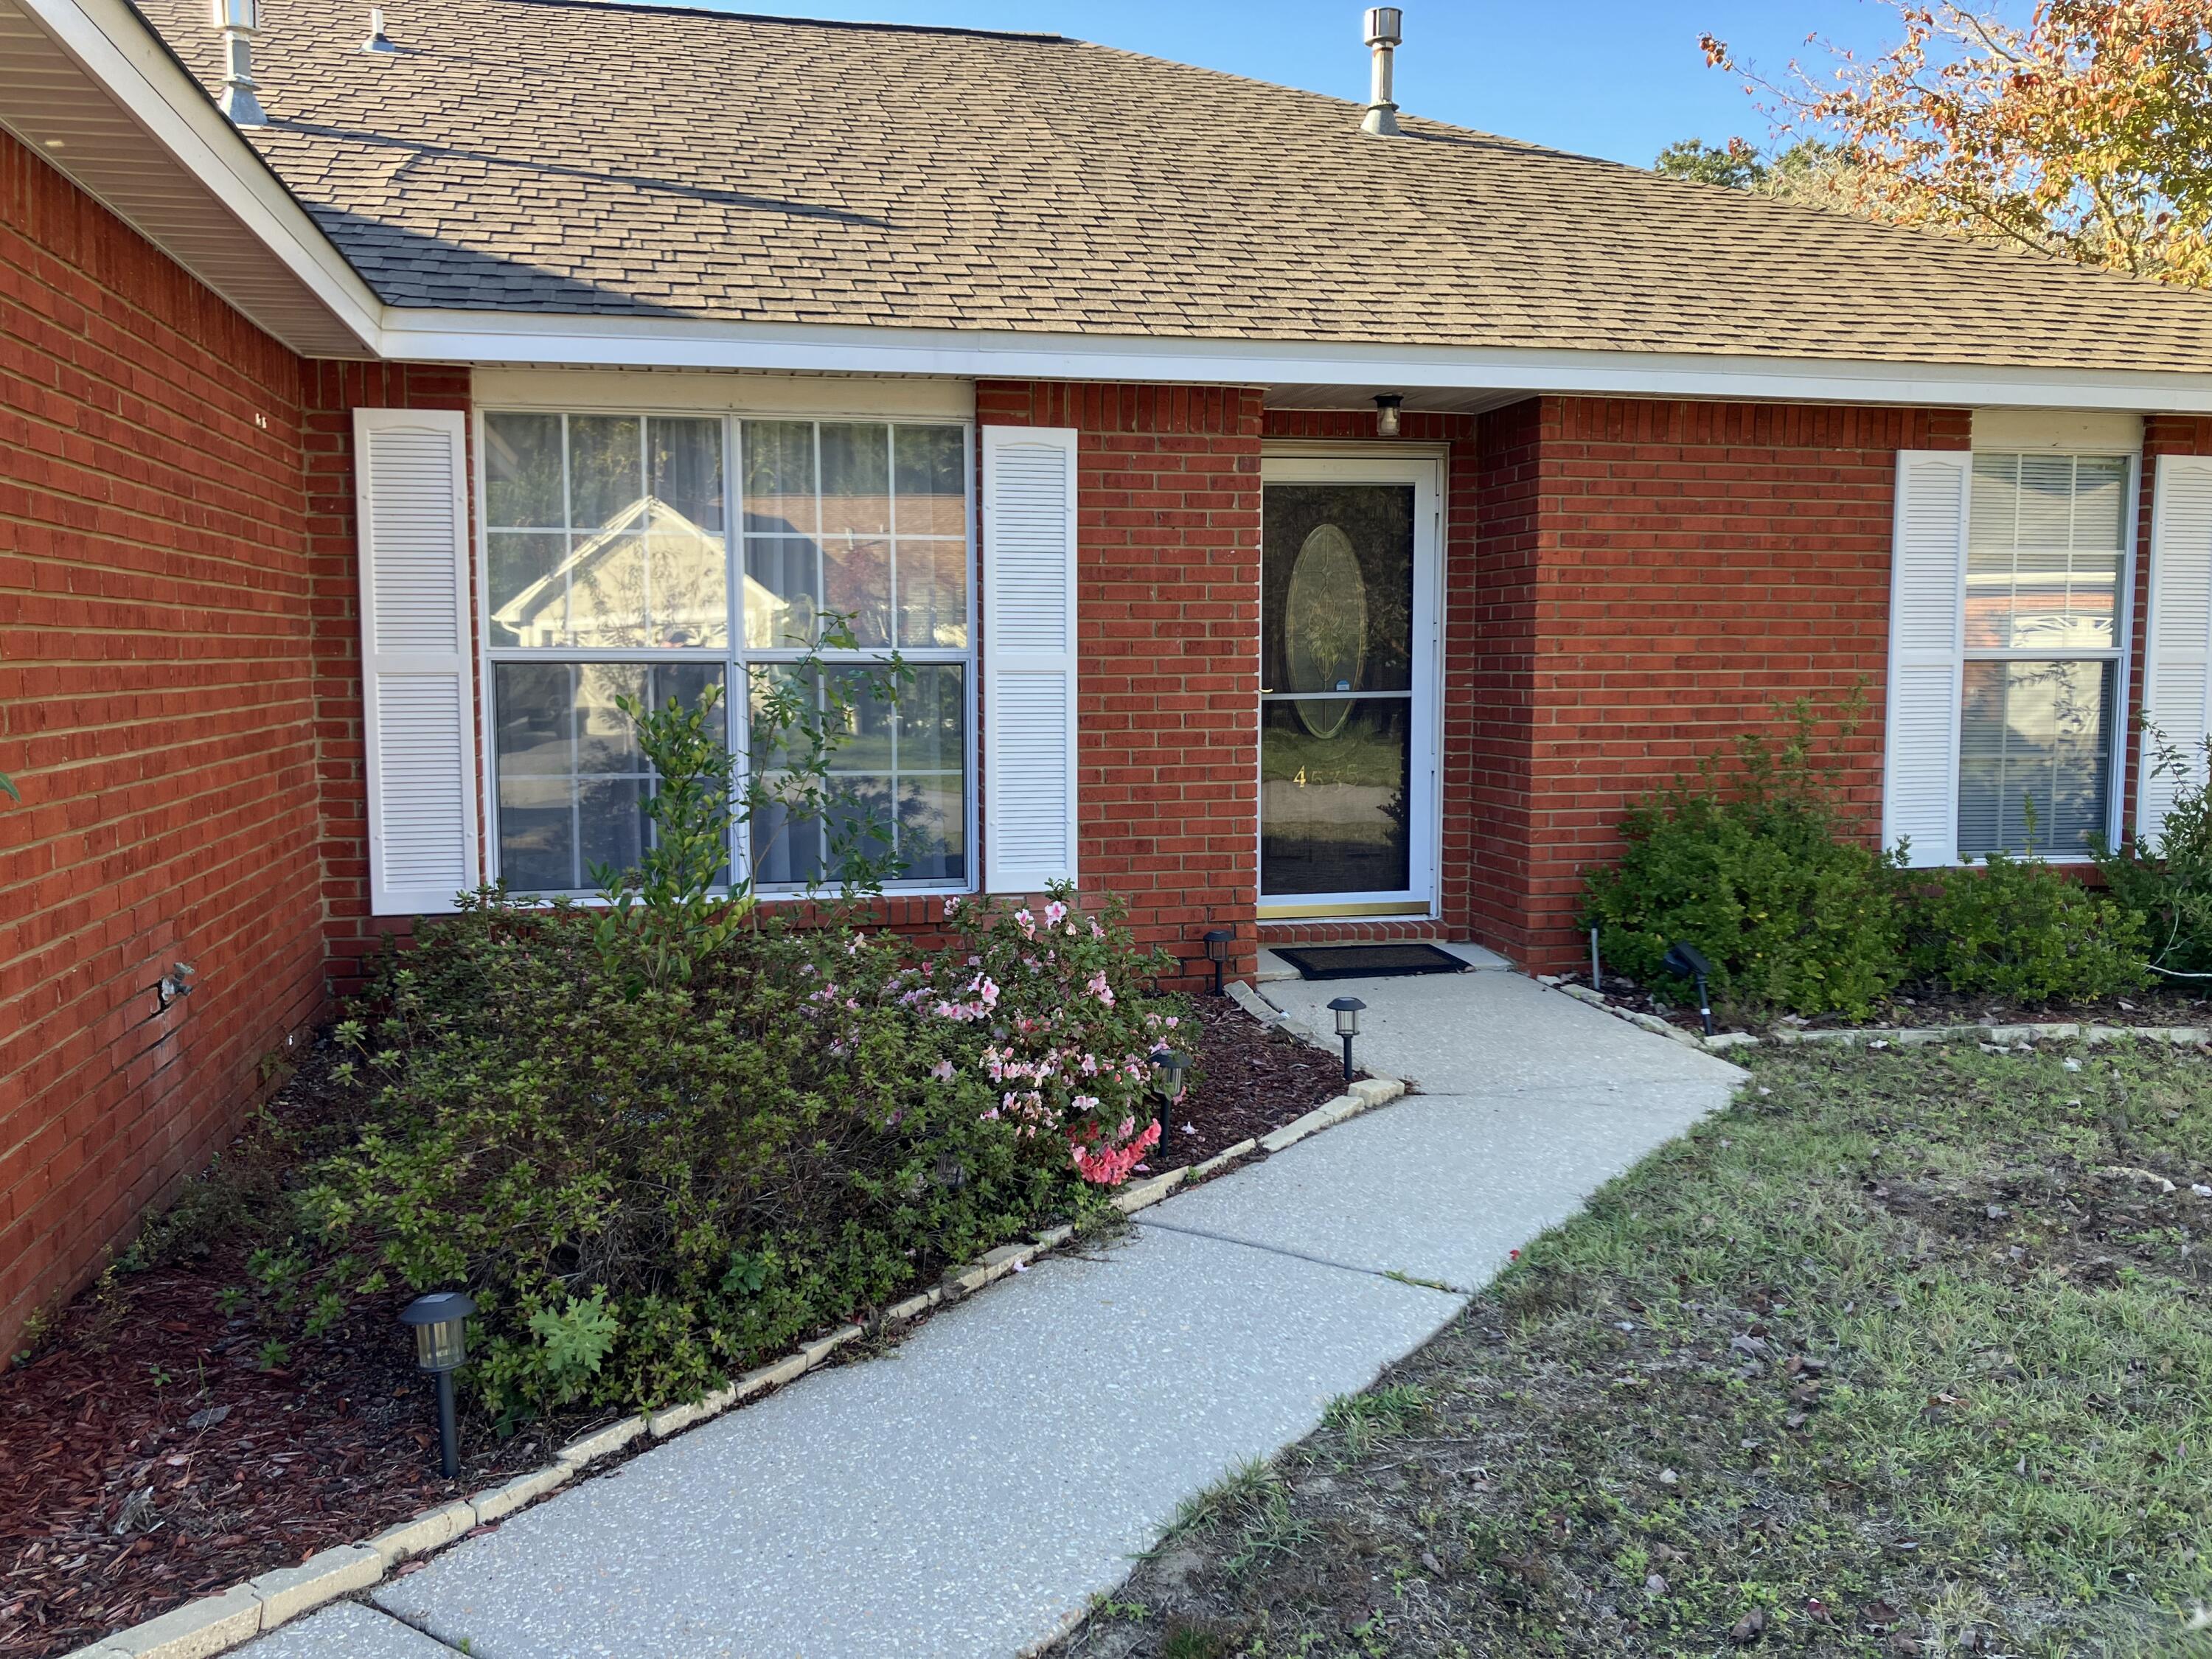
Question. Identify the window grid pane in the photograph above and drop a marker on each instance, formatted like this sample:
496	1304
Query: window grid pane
2046	551
607	532
2035	758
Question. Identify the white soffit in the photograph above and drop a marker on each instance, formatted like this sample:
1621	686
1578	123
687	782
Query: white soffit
2065	431
726	392
71	77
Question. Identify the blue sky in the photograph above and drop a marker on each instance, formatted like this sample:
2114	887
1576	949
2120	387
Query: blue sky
1619	78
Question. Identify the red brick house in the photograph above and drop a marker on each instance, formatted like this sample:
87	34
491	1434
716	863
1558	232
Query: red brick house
1301	529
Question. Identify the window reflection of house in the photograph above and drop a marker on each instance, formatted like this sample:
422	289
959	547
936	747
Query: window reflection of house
651	578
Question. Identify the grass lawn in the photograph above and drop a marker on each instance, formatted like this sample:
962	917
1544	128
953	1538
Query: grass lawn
1908	1352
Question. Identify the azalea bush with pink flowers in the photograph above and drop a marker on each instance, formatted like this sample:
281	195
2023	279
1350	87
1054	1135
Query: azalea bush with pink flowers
650	1187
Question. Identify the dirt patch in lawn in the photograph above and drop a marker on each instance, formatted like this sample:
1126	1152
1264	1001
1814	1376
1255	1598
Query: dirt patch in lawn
164	1441
1676	1002
1906	1353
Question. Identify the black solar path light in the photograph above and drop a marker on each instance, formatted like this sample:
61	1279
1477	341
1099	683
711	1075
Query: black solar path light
440	1321
1169	1067
1218	942
1347	1011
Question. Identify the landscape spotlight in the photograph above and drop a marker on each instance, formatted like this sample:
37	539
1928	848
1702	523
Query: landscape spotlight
1216	950
1689	962
440	1321
1347	1011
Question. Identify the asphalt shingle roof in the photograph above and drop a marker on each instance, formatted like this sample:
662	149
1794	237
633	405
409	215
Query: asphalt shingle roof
562	155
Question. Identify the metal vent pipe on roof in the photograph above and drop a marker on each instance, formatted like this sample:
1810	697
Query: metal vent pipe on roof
1385	28
240	20
378	42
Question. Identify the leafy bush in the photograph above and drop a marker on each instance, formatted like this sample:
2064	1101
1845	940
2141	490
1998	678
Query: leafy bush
649	1190
2018	928
660	1140
1753	865
2167	874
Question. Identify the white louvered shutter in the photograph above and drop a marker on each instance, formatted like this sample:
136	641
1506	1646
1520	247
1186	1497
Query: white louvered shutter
1927	650
2178	666
1029	657
411	494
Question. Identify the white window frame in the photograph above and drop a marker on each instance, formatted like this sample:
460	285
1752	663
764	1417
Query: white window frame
2122	656
735	656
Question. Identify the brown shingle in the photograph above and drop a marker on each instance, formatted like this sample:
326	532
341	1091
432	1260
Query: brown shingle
576	157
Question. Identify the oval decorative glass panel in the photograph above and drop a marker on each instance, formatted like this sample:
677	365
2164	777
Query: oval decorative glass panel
1325	626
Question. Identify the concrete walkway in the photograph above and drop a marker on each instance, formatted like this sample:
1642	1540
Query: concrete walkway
968	1493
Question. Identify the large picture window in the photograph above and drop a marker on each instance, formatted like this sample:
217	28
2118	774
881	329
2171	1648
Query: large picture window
613	565
2046	553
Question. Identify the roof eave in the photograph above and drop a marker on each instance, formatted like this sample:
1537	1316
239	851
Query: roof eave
96	93
490	337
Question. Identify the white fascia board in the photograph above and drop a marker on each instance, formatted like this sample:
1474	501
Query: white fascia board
486	338
120	53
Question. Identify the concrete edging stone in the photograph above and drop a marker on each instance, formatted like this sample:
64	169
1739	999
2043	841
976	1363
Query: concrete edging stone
1893	1036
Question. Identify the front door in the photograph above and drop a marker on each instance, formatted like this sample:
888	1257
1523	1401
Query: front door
1347	678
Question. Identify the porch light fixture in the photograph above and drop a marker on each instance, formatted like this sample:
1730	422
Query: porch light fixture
440	1321
1386	414
239	21
1218	942
1169	1068
1689	962
1347	1011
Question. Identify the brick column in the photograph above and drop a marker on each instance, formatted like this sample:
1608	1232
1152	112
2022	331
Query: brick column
1168	598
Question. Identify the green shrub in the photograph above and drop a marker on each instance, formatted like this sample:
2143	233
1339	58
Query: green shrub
2167	874
660	1140
1754	866
649	1191
2018	929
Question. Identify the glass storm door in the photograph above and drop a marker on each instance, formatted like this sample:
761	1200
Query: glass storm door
1347	678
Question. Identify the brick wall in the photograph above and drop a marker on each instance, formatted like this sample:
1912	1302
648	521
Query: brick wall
1167	544
156	700
1692	562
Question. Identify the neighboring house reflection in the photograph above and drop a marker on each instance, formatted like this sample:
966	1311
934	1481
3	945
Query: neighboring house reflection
650	578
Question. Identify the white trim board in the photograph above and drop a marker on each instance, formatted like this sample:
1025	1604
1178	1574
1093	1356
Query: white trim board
725	393
485	337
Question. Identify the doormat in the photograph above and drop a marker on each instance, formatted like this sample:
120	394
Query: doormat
1368	961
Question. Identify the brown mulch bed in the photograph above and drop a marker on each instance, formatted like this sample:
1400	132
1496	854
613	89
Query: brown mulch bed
1252	1079
152	1449
1677	1004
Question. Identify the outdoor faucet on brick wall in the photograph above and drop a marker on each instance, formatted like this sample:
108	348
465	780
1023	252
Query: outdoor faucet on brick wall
177	983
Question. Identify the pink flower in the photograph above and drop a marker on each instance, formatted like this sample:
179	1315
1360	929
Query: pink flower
1054	912
942	1071
1099	988
1026	922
